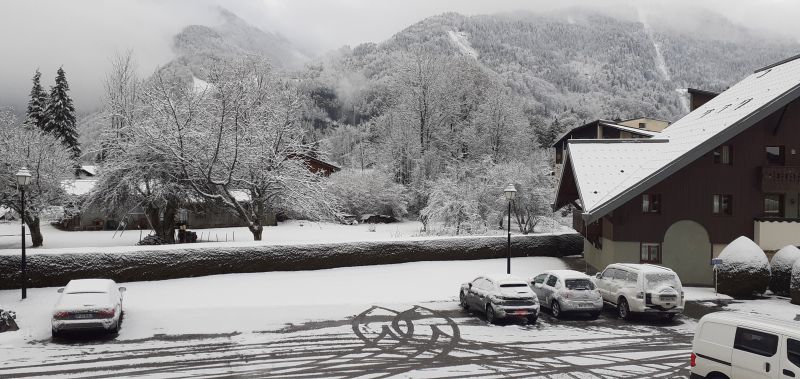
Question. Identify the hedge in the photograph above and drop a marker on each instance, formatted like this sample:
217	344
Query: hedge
45	270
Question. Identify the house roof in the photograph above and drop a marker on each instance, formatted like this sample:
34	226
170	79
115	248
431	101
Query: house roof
610	172
611	124
696	91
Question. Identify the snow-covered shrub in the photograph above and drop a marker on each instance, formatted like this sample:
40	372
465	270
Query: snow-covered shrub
7	320
152	240
744	271
781	266
372	191
795	285
140	263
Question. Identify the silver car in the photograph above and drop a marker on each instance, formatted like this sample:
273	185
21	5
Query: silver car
500	297
88	304
567	291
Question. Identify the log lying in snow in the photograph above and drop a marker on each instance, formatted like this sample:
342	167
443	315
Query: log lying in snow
193	260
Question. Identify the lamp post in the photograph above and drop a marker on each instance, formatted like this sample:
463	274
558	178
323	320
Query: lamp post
511	193
23	179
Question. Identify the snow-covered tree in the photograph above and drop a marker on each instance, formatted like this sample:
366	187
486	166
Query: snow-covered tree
60	114
781	267
238	141
49	162
37	104
744	271
368	192
131	174
453	208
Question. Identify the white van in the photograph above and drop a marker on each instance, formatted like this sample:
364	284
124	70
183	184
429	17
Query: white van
729	345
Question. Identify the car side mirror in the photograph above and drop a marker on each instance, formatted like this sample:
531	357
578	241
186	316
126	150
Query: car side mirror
599	275
61	290
122	289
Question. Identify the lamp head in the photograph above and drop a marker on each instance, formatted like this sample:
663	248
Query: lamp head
23	177
510	192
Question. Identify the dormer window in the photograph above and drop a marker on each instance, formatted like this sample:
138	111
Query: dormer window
651	203
722	155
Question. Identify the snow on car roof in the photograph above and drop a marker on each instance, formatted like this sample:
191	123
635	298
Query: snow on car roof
644	267
504	278
610	172
567	274
88	285
753	320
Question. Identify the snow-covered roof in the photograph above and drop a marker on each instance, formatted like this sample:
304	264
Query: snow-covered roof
78	187
610	124
610	172
90	169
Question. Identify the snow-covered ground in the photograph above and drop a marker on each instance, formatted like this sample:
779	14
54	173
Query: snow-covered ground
264	301
291	232
376	321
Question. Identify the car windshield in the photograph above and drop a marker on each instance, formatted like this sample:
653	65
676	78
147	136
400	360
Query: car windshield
579	284
661	279
512	285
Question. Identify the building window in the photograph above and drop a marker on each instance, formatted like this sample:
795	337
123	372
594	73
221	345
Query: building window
773	205
650	253
723	204
642	125
651	203
722	155
776	155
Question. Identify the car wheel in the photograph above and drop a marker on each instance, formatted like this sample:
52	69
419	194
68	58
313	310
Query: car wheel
623	309
555	309
594	315
717	376
463	300
669	316
490	316
56	333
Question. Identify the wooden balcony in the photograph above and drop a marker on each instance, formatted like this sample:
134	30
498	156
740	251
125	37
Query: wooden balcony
780	179
592	232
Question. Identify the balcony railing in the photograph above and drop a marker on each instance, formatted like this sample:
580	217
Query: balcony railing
780	179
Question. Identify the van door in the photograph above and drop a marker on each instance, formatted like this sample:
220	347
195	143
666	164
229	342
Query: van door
604	282
790	358
755	354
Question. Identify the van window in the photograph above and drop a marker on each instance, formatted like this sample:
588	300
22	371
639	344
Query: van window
718	334
756	342
655	280
609	273
793	351
539	278
631	277
551	281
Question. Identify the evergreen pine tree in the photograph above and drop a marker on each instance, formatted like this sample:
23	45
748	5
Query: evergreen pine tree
36	105
61	114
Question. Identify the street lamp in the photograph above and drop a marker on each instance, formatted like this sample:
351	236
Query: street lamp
511	193
23	180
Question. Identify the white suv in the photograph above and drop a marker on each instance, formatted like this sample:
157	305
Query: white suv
641	288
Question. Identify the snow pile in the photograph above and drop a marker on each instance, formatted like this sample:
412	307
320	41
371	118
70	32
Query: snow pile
781	266
744	271
795	285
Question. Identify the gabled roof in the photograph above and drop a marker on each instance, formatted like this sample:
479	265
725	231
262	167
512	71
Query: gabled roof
607	123
610	172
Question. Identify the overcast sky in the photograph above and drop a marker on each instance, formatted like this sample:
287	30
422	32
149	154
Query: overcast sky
82	35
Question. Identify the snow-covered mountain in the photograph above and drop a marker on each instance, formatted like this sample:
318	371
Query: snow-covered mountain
586	63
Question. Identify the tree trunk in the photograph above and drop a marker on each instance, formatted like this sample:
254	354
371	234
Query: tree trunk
256	229
164	229
36	231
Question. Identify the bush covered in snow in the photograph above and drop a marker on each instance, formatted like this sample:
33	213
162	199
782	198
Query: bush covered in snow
7	320
361	192
191	260
744	271
795	285
781	266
